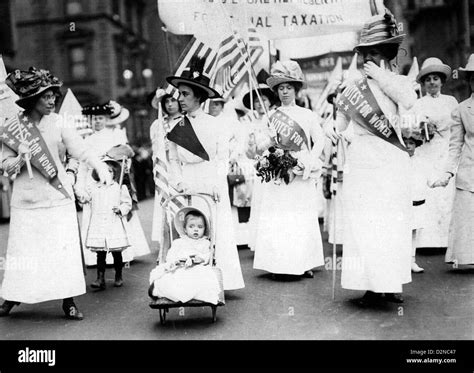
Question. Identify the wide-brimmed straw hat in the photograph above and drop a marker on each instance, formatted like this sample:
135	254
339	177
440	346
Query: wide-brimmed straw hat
262	89
433	65
285	72
179	220
469	66
194	76
27	84
380	29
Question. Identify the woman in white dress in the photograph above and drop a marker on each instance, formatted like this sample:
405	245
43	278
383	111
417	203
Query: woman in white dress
198	163
460	163
44	253
288	239
435	108
171	109
376	194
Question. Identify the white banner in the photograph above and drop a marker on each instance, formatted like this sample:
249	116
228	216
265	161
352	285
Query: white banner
276	19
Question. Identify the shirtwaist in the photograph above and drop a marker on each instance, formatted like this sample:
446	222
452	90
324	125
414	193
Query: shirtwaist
43	253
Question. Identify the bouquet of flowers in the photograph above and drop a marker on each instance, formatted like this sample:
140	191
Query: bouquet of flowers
276	164
424	130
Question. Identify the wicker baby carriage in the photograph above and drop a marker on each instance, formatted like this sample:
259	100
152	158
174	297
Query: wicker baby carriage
171	207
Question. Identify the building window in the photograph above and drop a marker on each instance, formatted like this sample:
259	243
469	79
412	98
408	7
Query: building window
73	7
77	62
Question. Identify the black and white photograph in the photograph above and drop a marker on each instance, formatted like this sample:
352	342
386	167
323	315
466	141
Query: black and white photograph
231	171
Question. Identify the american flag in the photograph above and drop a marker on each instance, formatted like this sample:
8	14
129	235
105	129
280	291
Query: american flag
195	47
161	168
234	57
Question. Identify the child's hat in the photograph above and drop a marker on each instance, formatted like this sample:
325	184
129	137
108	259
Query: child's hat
179	220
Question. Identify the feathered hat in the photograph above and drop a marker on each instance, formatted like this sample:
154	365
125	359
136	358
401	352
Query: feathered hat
380	29
27	84
193	75
285	72
114	112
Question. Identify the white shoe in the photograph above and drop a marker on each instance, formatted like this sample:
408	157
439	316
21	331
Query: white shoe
415	268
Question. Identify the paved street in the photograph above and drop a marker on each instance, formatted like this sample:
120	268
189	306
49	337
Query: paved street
438	306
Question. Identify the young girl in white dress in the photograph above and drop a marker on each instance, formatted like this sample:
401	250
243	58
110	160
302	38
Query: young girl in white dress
106	232
186	274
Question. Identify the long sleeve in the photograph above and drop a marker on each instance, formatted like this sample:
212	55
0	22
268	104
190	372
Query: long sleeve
456	141
399	89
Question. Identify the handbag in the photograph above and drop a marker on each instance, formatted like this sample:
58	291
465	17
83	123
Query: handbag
235	175
235	179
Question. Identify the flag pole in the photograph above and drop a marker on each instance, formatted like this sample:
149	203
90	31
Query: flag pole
334	193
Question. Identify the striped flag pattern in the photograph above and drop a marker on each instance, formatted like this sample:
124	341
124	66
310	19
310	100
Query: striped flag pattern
233	58
160	170
195	47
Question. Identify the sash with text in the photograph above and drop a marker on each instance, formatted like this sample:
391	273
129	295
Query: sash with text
360	104
41	158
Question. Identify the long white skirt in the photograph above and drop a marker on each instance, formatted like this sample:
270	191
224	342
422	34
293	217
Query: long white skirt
43	255
288	238
377	217
461	234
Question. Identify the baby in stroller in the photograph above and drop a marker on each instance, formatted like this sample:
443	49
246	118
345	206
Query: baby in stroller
187	273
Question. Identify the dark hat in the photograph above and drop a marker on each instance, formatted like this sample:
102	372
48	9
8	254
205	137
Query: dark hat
97	109
193	75
114	112
380	29
27	84
262	89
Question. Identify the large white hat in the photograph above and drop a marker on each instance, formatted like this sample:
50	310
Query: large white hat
118	114
469	66
285	72
433	65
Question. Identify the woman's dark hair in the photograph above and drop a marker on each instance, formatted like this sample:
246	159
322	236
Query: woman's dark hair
389	51
163	103
30	103
296	85
198	92
441	76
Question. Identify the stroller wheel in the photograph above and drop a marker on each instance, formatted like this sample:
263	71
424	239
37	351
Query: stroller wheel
162	316
214	312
